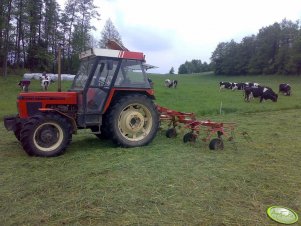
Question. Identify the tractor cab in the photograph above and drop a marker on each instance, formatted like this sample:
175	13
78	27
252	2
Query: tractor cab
102	75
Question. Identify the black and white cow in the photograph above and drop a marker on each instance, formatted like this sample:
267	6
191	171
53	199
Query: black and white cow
251	84
167	82
225	85
171	83
174	84
24	85
265	93
238	86
45	82
286	89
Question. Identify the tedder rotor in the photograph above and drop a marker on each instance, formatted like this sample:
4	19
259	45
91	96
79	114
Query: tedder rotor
205	128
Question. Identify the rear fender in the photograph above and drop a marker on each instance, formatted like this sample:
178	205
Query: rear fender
116	92
72	120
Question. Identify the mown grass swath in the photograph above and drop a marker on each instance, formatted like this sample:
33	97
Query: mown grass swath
167	182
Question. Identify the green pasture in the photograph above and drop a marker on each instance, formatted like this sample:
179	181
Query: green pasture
167	182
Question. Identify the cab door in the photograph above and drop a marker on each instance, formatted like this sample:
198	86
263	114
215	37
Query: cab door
98	90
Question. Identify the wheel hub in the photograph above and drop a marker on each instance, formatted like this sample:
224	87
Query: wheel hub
133	121
48	136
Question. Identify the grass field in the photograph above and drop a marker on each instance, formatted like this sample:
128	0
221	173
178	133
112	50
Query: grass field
167	182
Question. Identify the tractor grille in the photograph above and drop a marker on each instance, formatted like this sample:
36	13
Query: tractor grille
33	107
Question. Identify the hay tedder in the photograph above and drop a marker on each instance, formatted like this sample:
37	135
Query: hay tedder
196	127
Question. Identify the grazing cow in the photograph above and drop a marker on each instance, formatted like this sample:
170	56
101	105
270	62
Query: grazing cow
262	92
238	86
171	83
24	84
225	85
167	82
45	82
251	84
286	89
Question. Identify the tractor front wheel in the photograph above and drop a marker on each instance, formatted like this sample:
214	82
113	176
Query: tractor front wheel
133	121
17	130
46	135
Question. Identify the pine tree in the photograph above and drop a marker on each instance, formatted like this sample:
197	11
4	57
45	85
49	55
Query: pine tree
109	33
5	18
76	22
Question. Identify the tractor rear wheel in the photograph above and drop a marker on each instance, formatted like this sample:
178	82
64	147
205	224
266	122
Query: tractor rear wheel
46	135
133	121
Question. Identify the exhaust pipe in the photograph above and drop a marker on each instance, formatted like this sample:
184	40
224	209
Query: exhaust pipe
59	77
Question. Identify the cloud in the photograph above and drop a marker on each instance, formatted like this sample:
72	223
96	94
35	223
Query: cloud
143	38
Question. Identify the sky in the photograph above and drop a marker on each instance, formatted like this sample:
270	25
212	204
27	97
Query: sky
170	32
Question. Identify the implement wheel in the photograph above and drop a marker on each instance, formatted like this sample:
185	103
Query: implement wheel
216	144
171	133
46	135
133	121
189	137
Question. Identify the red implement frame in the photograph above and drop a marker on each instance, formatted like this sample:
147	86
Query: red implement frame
197	127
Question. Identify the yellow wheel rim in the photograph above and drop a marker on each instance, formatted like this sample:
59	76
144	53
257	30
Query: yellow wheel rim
135	122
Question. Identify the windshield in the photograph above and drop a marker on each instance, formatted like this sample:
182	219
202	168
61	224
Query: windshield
83	74
104	73
132	74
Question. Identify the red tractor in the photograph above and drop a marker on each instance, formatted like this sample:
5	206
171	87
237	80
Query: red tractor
110	95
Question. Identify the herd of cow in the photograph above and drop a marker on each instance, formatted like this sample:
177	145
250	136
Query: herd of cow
45	82
253	90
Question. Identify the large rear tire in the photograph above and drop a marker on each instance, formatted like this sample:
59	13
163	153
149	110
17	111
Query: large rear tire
133	121
46	135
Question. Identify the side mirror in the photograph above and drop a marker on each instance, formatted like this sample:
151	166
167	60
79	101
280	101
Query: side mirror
109	65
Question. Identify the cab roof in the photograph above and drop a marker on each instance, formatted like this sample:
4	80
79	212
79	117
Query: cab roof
112	53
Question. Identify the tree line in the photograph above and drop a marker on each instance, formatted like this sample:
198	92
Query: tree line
276	49
194	66
32	31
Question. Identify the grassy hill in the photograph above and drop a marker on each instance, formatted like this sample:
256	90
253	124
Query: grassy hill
167	182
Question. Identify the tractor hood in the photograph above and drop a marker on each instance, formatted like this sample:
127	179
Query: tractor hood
30	103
